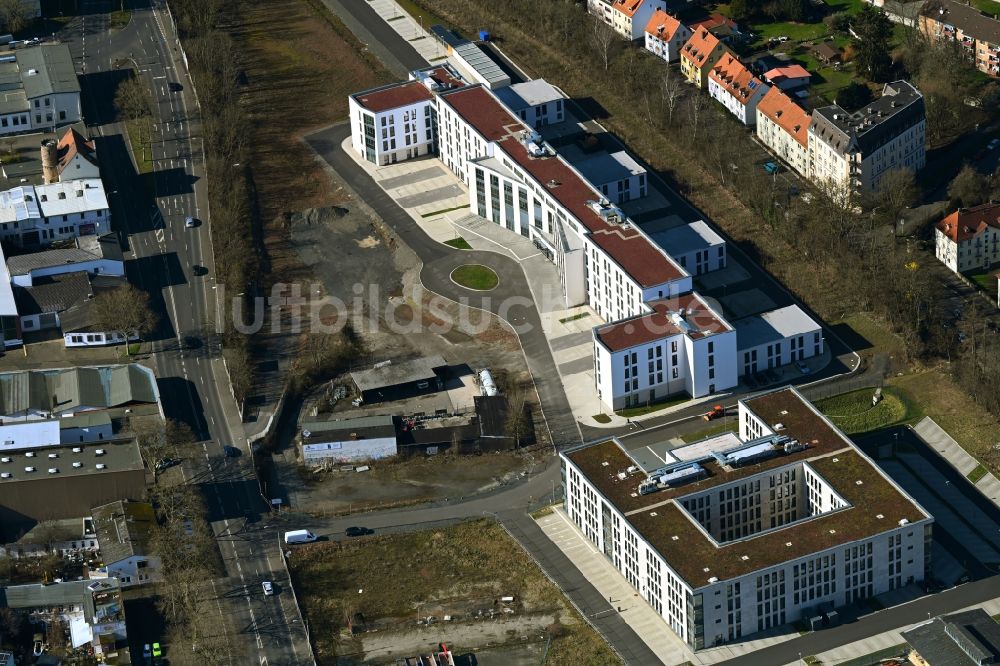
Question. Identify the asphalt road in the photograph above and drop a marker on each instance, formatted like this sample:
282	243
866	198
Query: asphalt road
149	212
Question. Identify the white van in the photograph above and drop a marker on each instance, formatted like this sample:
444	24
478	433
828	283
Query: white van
299	536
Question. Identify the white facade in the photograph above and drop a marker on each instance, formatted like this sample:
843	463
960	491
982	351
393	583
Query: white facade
739	100
376	448
135	570
776	338
777	504
96	339
665	36
783	144
695	246
629	17
386	137
41	214
968	240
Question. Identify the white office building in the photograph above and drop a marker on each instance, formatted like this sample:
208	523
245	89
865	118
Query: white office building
536	102
32	216
731	536
40	91
697	247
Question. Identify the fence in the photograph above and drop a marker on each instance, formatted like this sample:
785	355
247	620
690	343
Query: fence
295	598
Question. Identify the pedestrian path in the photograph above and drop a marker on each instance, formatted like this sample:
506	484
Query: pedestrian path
638	614
413	30
939	440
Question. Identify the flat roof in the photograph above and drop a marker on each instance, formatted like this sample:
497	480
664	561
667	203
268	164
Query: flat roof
8	304
519	96
21	435
47	69
117	457
604	167
71	196
482	63
698	321
393	96
948	639
876	504
85	248
364	427
687	238
774	325
124	528
557	179
396	373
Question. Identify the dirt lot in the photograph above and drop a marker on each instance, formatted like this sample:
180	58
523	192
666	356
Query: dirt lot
460	572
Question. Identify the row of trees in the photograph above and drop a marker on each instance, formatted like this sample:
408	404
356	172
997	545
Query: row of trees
214	63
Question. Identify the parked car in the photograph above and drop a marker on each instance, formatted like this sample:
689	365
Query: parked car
268	588
771	167
166	463
190	222
157	652
299	536
716	412
358	531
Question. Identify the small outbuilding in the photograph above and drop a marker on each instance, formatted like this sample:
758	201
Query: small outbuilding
390	380
348	440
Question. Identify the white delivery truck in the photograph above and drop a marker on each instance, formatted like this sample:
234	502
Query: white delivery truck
299	536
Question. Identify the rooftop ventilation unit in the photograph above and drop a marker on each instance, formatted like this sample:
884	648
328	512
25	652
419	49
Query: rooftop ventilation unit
607	212
29	469
5	475
29	454
53	470
671	477
101	466
5	460
532	142
53	455
78	464
77	449
99	452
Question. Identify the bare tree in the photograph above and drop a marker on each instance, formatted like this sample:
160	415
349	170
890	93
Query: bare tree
516	425
896	190
603	38
15	15
124	310
671	89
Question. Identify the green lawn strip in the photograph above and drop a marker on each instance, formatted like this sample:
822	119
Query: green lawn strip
601	418
849	6
458	244
977	473
854	413
424	16
119	19
710	431
435	213
143	161
988	7
579	315
653	407
796	32
987	280
475	276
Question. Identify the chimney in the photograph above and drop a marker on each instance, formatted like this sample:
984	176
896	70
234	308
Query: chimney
50	160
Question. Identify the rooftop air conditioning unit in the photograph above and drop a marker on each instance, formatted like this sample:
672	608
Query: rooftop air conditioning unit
101	466
6	460
77	449
53	455
29	469
5	475
78	464
53	470
99	452
29	454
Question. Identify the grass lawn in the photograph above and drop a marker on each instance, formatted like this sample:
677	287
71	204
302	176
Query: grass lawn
654	407
849	6
826	81
475	276
932	393
796	32
977	473
143	160
578	315
424	16
120	19
459	244
726	425
987	7
986	280
853	412
601	418
383	578
868	336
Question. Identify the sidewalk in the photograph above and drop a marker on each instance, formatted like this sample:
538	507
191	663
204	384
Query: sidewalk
960	459
883	641
412	30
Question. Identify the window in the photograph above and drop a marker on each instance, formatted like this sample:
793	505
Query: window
48	102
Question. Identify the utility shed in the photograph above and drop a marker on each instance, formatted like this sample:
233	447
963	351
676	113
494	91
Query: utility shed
348	440
393	381
959	639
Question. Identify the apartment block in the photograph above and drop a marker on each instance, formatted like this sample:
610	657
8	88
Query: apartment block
783	126
850	152
629	18
976	34
733	85
665	36
737	534
968	240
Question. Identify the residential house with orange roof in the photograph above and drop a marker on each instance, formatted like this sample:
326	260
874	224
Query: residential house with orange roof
699	55
968	240
788	77
783	126
733	85
75	158
630	17
665	36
